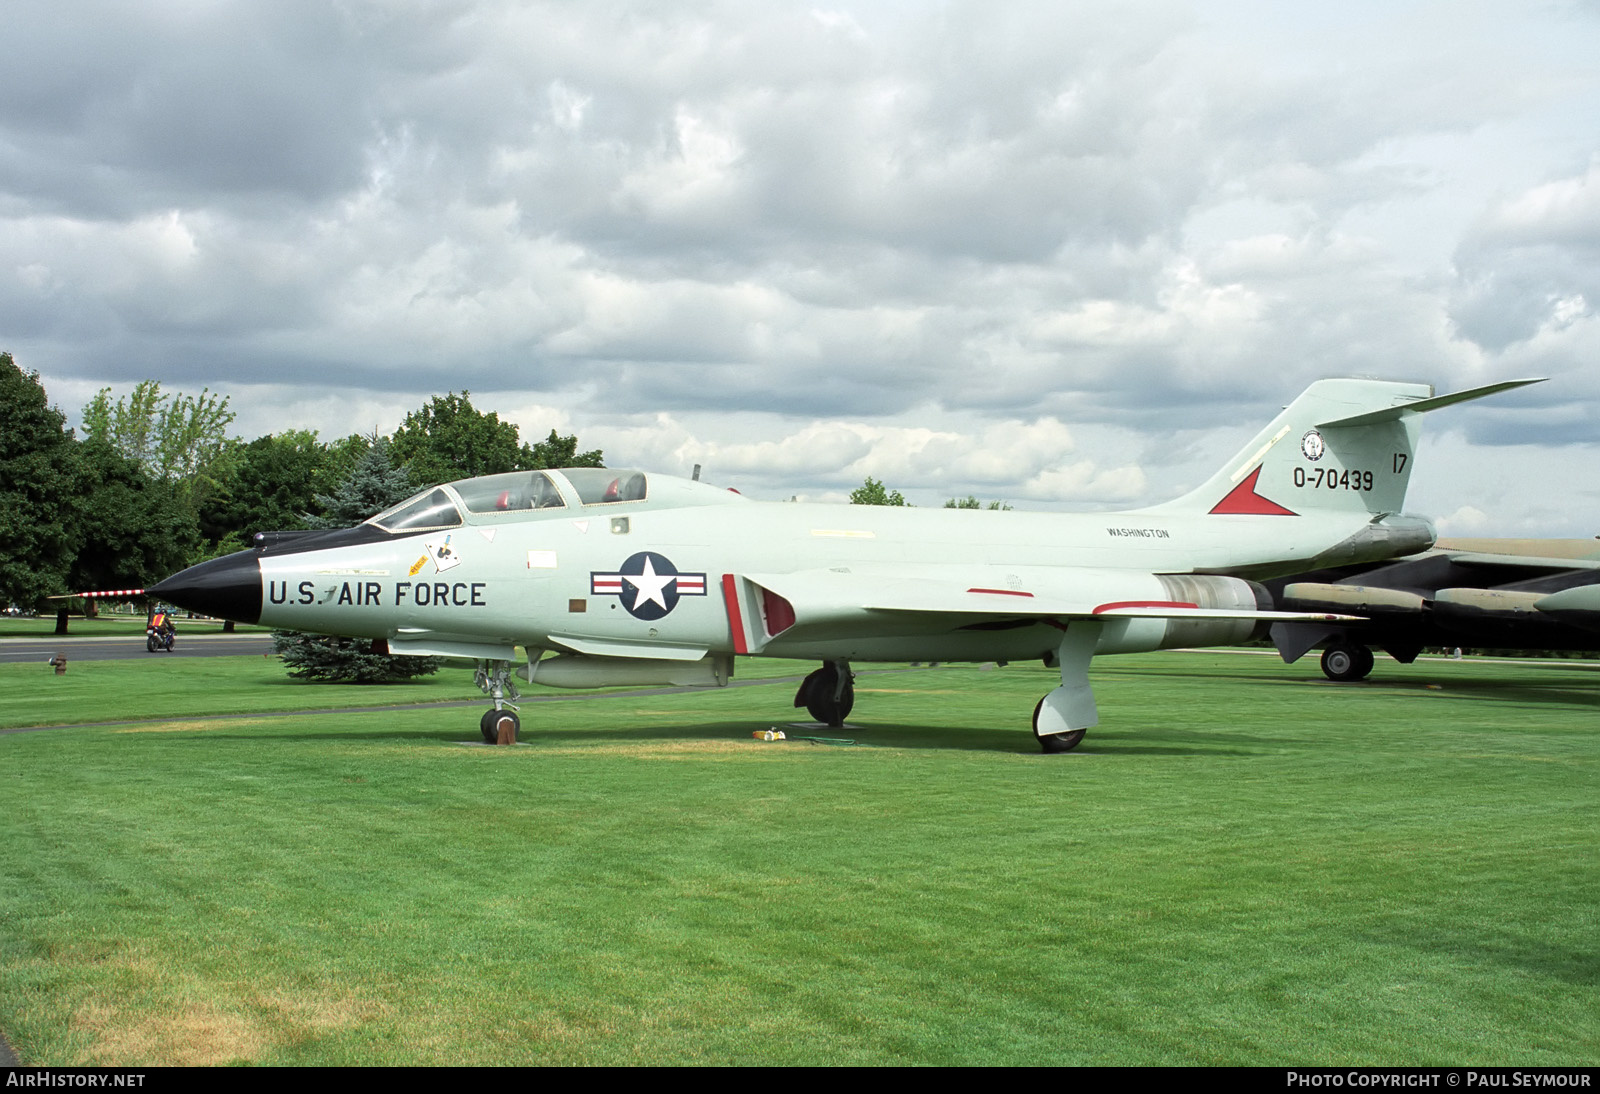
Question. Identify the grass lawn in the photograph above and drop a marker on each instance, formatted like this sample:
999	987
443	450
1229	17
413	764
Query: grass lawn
1243	864
168	687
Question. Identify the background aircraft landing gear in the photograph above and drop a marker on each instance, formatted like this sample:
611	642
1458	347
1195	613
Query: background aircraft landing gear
1346	661
828	694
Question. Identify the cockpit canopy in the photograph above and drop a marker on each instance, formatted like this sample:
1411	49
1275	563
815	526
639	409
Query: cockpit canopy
522	492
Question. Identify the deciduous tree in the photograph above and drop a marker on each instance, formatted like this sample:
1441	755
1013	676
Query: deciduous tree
873	492
38	491
449	438
131	529
181	438
272	486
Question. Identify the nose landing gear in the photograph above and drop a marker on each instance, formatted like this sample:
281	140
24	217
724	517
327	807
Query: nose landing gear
494	680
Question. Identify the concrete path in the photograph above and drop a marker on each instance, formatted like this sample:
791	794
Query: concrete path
13	650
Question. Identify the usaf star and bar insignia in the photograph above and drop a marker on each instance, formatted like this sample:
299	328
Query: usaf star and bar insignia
648	584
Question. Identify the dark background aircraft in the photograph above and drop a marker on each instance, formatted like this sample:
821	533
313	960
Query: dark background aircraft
1469	593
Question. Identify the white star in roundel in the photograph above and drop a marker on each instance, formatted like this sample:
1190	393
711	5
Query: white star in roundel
651	585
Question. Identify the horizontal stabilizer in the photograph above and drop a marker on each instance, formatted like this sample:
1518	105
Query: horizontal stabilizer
1418	406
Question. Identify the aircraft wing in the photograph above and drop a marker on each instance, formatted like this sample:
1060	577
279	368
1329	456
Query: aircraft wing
817	602
1521	562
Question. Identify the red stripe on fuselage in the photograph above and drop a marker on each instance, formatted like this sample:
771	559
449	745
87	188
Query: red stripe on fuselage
730	596
1144	604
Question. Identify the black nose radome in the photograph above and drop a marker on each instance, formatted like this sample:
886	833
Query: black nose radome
228	587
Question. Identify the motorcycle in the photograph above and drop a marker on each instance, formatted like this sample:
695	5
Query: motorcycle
158	640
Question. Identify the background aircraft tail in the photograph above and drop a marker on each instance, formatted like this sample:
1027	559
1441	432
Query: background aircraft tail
1343	446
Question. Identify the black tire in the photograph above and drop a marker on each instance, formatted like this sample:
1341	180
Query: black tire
1053	743
150	644
816	694
802	694
1346	662
490	724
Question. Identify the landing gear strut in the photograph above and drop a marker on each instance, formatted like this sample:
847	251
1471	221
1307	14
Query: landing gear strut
1346	662
1063	716
828	693
494	680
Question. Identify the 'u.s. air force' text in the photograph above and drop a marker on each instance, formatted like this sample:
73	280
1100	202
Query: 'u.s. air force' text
422	594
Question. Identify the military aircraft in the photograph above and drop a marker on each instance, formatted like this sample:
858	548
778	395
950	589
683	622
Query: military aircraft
1495	593
624	578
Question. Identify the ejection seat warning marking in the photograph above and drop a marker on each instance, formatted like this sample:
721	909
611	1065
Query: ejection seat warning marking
541	560
444	556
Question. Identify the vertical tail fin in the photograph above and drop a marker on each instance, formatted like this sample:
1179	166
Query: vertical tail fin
1343	446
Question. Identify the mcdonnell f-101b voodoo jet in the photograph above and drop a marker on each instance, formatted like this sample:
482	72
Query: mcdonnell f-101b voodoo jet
608	577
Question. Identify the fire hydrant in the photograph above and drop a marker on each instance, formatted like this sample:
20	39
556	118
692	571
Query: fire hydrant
60	663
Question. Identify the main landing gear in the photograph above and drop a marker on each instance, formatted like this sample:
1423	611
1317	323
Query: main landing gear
828	693
494	680
1346	662
1055	742
1062	717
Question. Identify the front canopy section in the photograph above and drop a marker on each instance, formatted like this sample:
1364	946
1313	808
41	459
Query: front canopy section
427	511
540	494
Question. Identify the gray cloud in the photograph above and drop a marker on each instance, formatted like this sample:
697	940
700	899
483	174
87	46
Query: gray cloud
1152	221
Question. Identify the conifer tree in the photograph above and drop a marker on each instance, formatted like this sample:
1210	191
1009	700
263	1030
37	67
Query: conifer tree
373	486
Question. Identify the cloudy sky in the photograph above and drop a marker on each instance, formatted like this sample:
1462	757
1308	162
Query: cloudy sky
1065	254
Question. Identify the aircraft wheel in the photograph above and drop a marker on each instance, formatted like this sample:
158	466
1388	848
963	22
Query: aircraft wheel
1346	662
1051	743
802	694
489	725
816	695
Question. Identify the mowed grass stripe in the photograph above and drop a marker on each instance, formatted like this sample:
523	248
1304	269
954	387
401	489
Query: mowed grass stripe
1243	864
